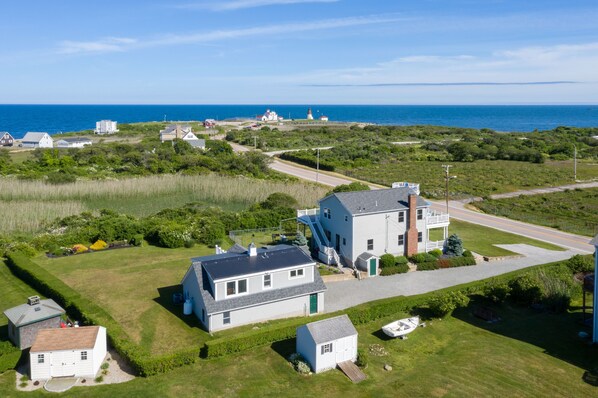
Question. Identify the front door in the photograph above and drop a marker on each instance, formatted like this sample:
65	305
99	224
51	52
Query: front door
338	243
62	364
372	267
313	303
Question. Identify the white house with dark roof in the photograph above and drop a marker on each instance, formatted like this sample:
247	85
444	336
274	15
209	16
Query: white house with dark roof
37	140
25	320
358	227
6	139
234	289
68	352
326	343
73	142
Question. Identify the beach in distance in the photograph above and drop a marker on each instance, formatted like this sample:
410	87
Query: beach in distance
19	119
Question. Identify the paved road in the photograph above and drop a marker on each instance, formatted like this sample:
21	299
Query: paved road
345	294
456	209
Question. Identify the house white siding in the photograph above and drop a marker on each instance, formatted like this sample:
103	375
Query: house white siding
339	222
37	140
99	351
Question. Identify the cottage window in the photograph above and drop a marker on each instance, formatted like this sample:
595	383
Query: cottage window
242	284
226	318
344	242
346	218
420	214
84	355
40	358
231	288
267	281
401	216
370	244
326	348
401	240
420	237
296	273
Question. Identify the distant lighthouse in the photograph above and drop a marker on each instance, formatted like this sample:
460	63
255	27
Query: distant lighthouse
309	115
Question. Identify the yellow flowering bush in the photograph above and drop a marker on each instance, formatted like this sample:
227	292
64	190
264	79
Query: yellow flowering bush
78	248
99	245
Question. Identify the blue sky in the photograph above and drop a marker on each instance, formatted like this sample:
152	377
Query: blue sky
299	51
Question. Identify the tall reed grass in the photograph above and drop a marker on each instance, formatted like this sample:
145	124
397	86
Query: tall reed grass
30	215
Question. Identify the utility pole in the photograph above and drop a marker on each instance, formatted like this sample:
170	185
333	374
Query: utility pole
317	164
446	181
574	163
255	142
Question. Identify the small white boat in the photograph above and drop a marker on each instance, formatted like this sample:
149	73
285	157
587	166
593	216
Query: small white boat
401	327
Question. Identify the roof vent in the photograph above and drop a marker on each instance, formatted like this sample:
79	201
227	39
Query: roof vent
252	250
33	300
38	309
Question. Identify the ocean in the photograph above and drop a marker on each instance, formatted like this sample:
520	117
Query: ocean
19	119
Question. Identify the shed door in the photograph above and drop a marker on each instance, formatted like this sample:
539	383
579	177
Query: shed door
313	303
372	267
62	364
343	350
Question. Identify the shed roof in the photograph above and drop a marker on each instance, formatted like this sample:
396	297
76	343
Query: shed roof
65	339
366	256
229	265
376	201
34	137
74	140
25	314
331	329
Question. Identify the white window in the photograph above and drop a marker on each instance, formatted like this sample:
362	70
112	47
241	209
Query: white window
401	216
267	281
84	355
242	284
326	348
231	288
226	318
40	358
420	214
370	244
401	239
296	273
236	287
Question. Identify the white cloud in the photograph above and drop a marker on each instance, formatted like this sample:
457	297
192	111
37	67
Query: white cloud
242	4
123	44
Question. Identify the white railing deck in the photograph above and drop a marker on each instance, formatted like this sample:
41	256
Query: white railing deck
308	212
435	217
431	245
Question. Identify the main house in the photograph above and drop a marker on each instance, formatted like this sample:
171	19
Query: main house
6	139
232	289
37	140
182	132
358	227
73	142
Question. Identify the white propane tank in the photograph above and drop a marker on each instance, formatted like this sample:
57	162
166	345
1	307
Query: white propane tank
188	307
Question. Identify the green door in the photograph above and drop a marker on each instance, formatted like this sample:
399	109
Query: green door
313	303
372	267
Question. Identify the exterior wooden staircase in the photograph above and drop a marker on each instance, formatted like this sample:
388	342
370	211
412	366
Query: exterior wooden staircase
352	371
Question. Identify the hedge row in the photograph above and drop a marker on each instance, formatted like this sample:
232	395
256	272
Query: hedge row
91	314
306	158
395	269
449	262
9	360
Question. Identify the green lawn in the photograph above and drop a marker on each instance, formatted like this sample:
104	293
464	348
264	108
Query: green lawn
482	239
135	285
527	354
574	211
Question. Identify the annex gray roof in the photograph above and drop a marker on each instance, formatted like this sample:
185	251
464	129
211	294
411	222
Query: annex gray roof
376	201
331	329
366	255
34	137
25	314
198	143
249	300
231	265
74	140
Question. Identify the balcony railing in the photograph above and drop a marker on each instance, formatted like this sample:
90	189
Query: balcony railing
308	212
431	245
435	218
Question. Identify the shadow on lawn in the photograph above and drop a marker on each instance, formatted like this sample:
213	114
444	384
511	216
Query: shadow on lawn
165	300
3	333
284	348
556	334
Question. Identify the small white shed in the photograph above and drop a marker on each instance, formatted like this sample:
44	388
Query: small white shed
328	342
76	352
368	262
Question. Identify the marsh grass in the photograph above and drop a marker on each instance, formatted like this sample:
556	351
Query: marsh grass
34	202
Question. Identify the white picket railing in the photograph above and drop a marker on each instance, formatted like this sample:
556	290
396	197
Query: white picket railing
431	245
437	218
308	212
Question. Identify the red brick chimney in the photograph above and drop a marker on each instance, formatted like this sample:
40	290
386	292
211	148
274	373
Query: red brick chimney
412	226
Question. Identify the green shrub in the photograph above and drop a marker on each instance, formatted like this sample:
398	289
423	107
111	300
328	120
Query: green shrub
496	290
422	258
362	358
9	360
453	246
467	253
396	269
99	379
189	243
443	304
137	240
387	260
526	289
300	239
579	263
58	178
105	366
436	253
428	266
401	260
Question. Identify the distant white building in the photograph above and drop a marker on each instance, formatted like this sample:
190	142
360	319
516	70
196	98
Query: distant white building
324	118
271	116
310	116
209	123
37	140
106	127
73	143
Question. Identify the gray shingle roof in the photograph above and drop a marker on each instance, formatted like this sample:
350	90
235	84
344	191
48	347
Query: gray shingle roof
33	137
236	264
75	140
376	201
199	143
250	300
366	255
25	314
331	329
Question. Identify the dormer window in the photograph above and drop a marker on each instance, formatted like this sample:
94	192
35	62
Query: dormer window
296	273
267	281
236	287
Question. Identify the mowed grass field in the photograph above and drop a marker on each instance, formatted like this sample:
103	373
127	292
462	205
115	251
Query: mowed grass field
135	285
482	240
574	211
527	354
479	178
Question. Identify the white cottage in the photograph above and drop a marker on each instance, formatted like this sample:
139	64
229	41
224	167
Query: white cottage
37	140
75	352
324	344
73	143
